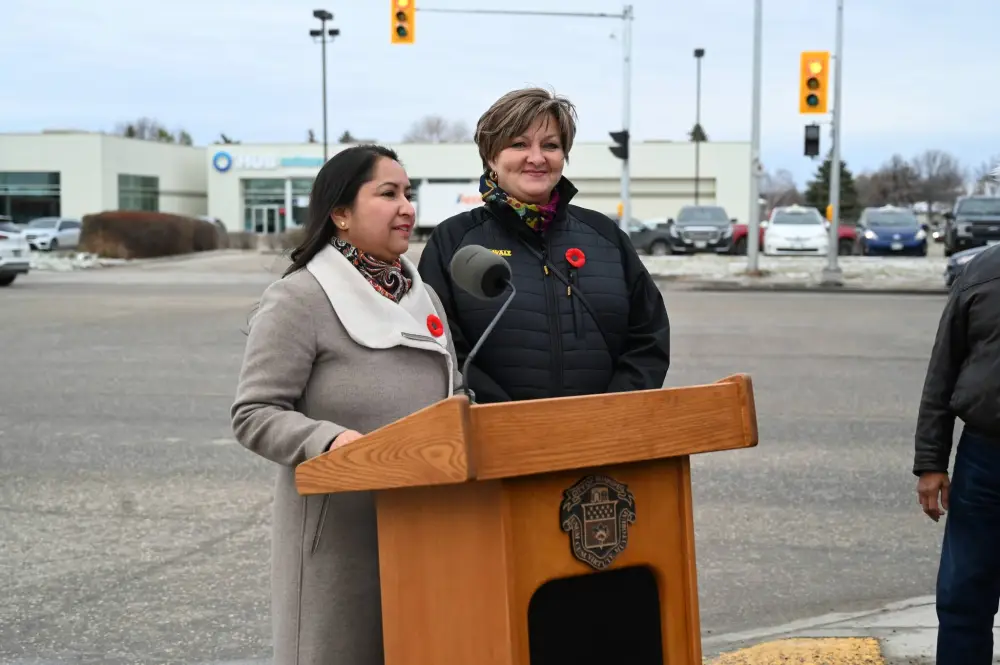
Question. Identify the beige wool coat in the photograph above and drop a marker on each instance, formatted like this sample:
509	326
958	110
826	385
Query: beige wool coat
325	353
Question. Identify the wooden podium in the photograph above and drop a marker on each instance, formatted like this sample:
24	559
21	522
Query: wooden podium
541	532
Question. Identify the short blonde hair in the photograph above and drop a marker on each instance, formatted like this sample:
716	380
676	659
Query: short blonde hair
512	115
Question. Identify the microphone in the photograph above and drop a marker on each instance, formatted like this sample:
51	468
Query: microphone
485	275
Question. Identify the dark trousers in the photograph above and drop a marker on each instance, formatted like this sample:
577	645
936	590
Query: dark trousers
968	584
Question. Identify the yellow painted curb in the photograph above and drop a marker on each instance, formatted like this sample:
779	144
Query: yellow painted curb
807	651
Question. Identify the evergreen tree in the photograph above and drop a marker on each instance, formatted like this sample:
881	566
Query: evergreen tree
818	192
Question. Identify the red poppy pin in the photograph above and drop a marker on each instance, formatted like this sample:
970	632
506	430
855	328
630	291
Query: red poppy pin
575	257
434	325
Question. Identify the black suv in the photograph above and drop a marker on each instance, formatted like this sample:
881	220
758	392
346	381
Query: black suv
701	229
973	222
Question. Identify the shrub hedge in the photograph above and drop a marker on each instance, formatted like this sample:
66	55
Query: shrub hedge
135	234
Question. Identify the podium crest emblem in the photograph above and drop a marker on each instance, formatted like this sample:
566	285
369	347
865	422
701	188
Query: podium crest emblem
596	512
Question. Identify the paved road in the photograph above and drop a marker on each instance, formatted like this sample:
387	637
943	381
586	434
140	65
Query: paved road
134	529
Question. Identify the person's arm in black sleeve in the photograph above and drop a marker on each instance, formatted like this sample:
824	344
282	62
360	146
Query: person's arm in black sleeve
646	359
935	420
433	269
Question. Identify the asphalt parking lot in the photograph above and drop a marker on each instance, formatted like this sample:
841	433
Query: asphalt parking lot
136	530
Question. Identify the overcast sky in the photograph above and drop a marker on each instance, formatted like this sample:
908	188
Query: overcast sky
918	74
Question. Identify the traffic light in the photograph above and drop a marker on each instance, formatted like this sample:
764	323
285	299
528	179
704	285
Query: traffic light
812	140
814	79
620	150
403	26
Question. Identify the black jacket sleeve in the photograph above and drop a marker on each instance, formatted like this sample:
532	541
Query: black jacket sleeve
433	269
646	359
936	421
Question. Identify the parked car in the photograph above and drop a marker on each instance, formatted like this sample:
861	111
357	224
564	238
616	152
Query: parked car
48	234
974	221
650	237
700	229
846	237
957	262
891	230
796	230
15	255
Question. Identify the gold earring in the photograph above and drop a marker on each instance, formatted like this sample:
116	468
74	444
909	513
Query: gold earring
493	176
343	225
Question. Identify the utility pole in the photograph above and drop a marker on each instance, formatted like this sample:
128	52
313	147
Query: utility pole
699	53
322	34
832	274
626	17
753	224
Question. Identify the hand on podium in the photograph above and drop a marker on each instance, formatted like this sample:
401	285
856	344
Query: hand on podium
344	438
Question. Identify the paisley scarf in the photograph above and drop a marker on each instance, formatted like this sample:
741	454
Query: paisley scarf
385	277
537	217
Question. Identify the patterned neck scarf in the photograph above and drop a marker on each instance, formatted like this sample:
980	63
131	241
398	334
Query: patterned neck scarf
386	277
537	217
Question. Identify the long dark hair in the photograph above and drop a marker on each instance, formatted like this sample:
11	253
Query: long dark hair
336	186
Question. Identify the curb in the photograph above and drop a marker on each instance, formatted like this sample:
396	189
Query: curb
677	282
828	651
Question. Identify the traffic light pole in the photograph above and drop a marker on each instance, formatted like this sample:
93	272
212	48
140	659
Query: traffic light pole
626	17
753	223
832	273
626	116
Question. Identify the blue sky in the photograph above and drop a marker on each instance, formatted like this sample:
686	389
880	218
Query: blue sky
918	74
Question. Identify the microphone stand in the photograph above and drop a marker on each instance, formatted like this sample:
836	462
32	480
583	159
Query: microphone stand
475	349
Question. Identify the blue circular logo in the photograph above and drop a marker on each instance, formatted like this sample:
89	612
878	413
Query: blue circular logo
222	161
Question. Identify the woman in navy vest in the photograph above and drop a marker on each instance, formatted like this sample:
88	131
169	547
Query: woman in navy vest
587	317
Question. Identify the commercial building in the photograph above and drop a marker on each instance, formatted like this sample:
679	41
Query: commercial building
71	174
265	187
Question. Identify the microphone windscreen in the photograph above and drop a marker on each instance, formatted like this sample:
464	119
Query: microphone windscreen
480	272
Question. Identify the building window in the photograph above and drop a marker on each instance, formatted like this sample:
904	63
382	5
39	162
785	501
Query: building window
138	192
27	195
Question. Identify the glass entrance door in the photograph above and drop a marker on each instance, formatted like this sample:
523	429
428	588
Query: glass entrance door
265	219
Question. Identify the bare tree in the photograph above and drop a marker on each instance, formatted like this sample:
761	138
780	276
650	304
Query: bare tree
435	129
310	136
147	129
779	189
986	179
941	178
896	182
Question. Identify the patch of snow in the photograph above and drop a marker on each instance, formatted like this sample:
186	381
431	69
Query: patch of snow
927	271
58	262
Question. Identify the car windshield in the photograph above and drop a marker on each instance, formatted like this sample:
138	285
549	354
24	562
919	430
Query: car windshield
893	219
712	214
43	223
10	228
804	217
989	206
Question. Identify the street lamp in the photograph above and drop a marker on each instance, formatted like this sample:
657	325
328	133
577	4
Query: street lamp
699	53
322	34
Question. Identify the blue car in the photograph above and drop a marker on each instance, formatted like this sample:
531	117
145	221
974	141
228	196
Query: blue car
891	230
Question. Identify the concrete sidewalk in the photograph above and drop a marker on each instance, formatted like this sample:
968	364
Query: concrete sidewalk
898	633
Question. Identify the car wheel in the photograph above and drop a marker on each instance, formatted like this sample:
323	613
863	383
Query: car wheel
7	280
845	247
740	247
54	245
659	248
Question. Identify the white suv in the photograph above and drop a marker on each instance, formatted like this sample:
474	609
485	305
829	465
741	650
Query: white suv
15	255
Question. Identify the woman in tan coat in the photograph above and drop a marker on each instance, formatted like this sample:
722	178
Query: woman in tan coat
350	339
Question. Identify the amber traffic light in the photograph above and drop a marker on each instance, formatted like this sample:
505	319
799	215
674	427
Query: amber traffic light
402	21
814	82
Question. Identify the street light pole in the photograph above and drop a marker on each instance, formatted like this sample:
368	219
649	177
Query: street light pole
832	273
753	223
699	53
323	33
